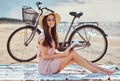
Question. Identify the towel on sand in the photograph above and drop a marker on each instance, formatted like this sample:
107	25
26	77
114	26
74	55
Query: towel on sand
72	72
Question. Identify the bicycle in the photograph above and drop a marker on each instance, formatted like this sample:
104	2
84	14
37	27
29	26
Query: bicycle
92	39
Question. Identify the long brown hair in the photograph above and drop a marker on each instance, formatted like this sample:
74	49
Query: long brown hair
48	39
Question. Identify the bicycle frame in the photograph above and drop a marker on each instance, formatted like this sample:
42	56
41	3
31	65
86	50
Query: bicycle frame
74	27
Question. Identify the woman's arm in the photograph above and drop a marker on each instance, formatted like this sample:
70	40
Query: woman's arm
51	56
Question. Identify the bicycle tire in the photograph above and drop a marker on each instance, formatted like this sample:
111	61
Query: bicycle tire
15	41
97	38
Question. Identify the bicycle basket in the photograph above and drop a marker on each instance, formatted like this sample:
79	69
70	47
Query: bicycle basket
29	15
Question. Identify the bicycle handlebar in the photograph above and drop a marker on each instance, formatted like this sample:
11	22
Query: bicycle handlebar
38	3
48	9
39	8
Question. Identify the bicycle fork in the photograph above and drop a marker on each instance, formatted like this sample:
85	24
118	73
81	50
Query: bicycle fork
27	39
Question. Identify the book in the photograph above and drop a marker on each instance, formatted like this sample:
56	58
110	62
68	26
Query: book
75	44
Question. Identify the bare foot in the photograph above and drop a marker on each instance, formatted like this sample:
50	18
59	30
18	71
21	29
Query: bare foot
105	71
110	72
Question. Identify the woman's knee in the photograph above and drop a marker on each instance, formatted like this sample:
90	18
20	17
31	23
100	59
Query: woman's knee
72	52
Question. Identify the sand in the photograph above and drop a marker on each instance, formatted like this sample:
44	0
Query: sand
112	56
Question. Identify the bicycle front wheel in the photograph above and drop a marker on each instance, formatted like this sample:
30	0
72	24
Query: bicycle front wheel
93	45
21	47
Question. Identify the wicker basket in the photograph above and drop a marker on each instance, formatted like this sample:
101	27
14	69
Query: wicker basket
29	15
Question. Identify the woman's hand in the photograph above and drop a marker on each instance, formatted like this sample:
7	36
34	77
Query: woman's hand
67	50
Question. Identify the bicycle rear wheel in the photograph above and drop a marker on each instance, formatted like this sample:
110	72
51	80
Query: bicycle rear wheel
96	43
18	48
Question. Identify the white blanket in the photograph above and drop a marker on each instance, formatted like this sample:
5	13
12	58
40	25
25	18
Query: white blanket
72	72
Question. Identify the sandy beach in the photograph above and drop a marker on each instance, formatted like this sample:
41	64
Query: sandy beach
112	56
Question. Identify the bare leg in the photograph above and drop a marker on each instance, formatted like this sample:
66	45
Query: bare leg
74	57
100	68
65	61
64	65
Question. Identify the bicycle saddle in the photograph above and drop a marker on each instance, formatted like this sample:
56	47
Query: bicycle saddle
76	14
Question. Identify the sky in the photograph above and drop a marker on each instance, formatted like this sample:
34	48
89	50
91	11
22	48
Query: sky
93	10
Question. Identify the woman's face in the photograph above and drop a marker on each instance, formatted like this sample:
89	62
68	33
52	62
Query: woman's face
50	21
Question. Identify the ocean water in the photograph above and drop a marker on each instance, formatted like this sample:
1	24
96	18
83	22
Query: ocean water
112	29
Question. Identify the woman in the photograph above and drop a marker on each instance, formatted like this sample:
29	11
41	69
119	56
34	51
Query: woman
51	61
